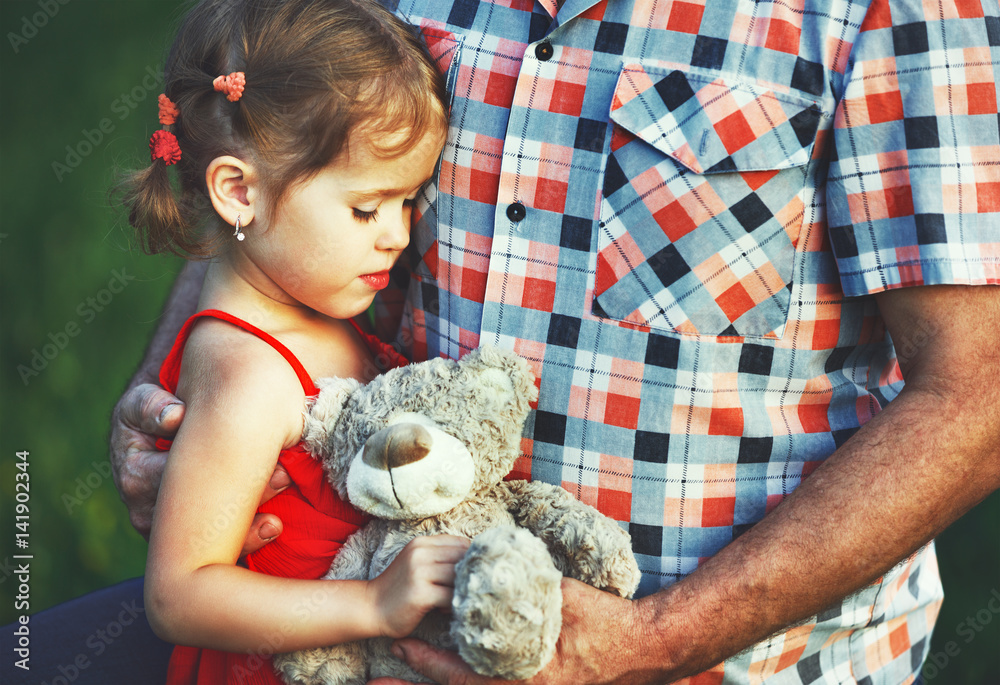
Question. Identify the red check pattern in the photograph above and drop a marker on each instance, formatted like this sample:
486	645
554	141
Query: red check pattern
669	208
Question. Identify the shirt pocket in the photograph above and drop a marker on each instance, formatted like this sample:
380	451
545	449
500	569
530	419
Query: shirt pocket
445	50
702	202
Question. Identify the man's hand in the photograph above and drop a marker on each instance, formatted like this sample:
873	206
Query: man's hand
145	413
601	642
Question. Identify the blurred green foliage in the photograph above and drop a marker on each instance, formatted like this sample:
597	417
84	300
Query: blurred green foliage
75	90
78	303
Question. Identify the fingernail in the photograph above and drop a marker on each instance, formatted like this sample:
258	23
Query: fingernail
397	651
268	532
166	410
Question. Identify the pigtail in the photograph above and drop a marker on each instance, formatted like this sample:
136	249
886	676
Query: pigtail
155	213
154	209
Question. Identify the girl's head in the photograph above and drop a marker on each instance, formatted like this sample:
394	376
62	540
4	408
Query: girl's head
325	80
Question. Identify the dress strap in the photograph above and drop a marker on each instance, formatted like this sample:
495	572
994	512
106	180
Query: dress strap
170	371
386	356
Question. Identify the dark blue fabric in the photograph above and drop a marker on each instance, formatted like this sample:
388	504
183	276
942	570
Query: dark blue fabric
99	639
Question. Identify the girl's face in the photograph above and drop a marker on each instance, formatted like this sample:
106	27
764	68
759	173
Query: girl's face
330	244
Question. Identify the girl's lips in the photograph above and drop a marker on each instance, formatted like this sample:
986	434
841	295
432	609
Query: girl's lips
378	281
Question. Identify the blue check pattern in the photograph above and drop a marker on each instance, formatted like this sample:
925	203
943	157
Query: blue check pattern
674	210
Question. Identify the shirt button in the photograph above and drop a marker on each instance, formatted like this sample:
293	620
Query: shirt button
544	51
516	212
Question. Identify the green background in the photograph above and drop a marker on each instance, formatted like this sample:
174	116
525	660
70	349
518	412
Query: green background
62	242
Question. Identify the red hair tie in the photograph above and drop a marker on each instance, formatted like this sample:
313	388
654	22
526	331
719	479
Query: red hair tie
231	85
168	110
163	145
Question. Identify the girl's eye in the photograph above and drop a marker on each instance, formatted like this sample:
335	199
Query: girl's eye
363	216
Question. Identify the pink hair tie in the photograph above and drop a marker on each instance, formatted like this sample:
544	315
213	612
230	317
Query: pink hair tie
163	145
168	110
231	85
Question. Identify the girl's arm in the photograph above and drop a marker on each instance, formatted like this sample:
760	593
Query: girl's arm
146	411
235	425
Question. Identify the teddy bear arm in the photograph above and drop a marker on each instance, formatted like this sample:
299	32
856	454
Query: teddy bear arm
354	559
584	543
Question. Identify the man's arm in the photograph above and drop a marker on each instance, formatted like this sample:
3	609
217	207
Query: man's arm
147	411
181	304
916	467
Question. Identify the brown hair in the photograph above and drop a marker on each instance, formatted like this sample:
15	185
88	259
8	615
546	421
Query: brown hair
316	71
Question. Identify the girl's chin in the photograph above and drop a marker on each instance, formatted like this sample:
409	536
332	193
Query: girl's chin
344	311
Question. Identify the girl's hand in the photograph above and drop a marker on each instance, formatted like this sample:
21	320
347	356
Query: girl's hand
420	579
598	645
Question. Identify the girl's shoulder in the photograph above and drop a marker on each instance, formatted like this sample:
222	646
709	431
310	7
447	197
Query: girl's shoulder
228	369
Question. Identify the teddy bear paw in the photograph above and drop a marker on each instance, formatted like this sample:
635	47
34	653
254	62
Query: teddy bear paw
507	607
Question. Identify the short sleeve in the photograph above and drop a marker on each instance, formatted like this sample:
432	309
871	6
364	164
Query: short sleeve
913	193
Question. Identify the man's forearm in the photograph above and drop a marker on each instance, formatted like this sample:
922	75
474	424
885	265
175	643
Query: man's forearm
902	479
181	304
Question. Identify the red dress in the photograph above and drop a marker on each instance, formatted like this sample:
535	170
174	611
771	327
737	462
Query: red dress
316	521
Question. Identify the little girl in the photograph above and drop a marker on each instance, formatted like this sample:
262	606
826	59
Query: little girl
301	132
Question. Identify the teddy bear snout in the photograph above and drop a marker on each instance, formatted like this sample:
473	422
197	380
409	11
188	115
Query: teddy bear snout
410	469
397	445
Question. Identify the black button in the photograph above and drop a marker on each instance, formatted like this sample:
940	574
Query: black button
543	51
516	211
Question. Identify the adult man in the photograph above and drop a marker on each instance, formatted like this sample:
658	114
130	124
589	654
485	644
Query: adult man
696	220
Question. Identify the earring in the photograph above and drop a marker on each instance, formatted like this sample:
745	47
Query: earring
238	233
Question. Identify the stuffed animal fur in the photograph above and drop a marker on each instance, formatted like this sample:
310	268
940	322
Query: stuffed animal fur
425	448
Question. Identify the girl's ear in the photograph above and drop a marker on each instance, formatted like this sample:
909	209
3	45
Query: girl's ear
233	189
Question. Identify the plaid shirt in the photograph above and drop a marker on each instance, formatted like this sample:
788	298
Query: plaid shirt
669	209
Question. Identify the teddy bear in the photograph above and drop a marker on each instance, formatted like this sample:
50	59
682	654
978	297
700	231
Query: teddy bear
424	449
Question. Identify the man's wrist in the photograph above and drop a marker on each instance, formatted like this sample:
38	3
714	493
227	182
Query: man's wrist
662	646
677	631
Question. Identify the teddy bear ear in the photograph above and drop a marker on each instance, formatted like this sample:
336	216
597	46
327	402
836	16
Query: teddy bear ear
321	419
517	373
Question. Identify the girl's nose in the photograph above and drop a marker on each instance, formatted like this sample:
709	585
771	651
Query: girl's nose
396	230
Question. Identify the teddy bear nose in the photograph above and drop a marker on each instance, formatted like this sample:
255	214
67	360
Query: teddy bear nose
397	445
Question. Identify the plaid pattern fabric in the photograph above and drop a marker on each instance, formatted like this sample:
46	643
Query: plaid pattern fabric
666	206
